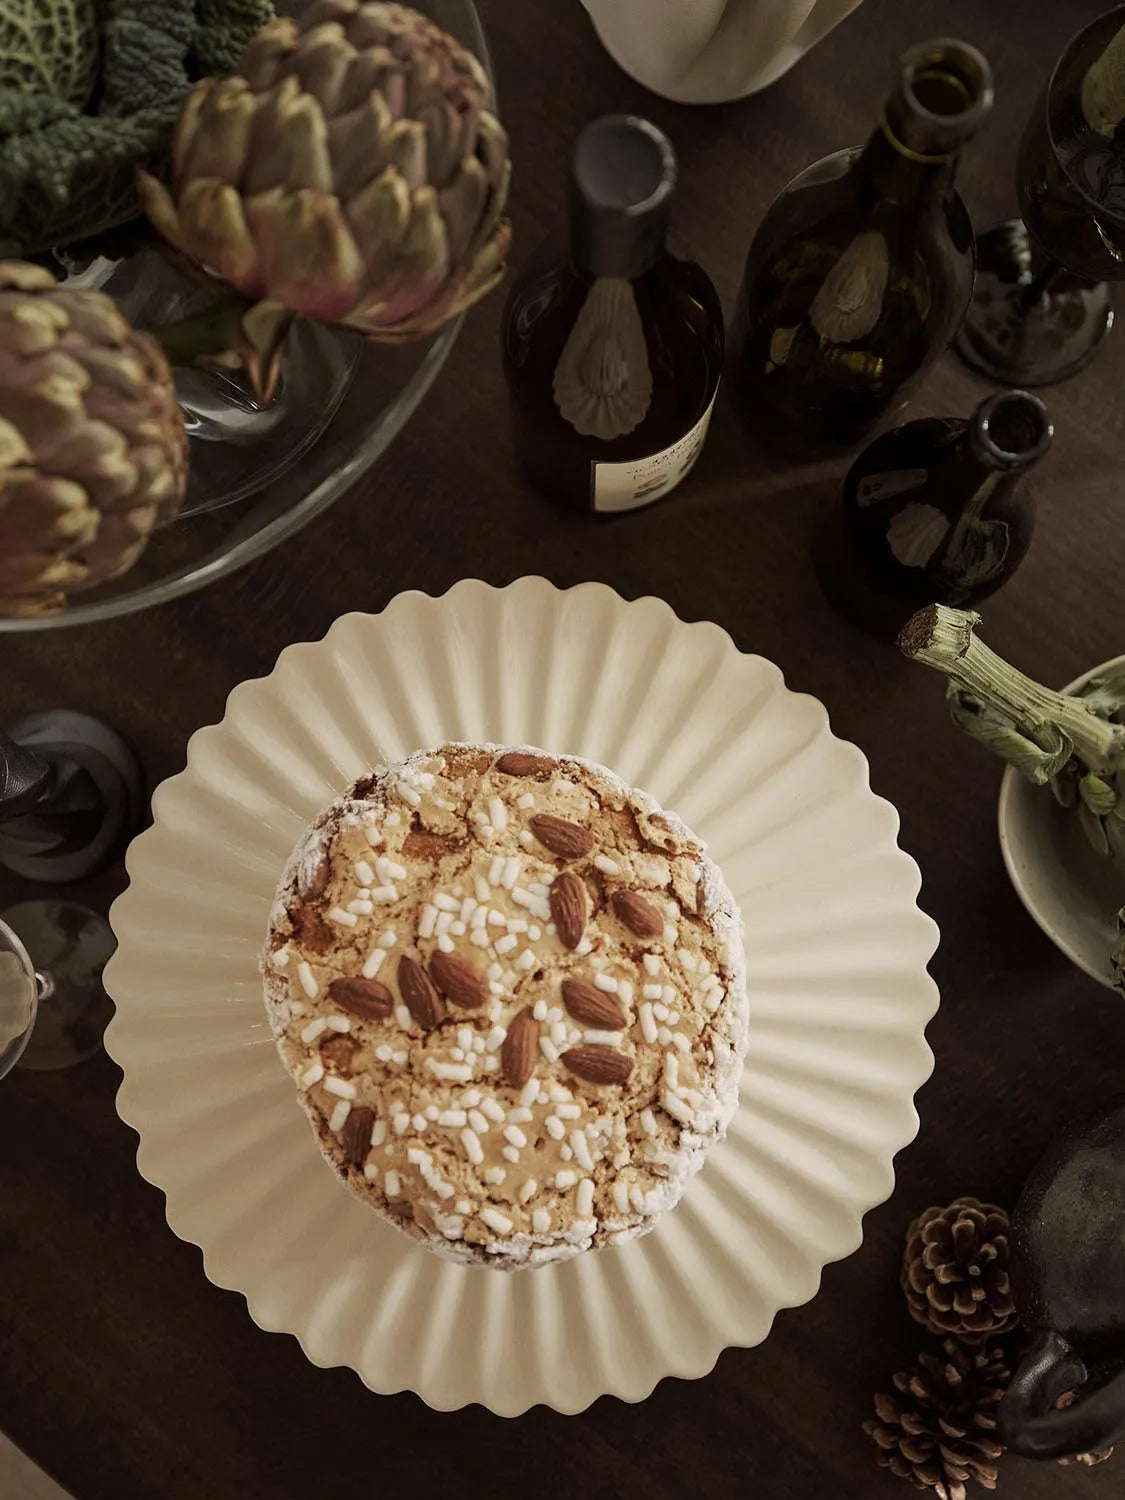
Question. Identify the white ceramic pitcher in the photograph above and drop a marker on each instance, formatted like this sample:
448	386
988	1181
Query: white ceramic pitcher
705	51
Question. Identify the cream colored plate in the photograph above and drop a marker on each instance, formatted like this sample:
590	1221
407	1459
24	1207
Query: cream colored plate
838	985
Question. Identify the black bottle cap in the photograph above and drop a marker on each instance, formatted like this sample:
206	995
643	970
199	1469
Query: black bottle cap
622	175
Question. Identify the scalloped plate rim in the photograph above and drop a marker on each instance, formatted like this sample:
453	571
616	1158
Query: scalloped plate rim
920	929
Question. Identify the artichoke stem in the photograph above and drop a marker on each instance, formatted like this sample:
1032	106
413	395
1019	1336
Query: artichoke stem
944	639
210	334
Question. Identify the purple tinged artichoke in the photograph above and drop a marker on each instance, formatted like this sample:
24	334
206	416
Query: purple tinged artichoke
93	452
351	171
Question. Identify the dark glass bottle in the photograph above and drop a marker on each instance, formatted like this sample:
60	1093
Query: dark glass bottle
613	347
862	269
935	512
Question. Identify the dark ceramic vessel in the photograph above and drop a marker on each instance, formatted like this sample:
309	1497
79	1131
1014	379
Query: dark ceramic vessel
1068	1279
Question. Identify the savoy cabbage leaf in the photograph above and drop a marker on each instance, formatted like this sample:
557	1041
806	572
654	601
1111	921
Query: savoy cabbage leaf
49	47
67	173
224	28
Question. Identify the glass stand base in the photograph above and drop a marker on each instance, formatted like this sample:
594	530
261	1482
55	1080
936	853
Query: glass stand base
1036	345
76	846
69	945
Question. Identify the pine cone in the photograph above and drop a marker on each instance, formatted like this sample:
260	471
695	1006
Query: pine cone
955	1271
1096	1455
938	1428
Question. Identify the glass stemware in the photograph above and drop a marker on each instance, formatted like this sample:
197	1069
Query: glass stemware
20	988
1041	305
53	1009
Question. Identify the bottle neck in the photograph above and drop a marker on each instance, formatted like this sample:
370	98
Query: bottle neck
622	178
894	174
942	95
1009	432
593	256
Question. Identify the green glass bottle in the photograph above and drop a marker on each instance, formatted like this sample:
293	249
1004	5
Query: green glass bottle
860	273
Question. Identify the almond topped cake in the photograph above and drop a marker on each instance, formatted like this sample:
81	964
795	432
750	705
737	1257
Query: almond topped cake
510	991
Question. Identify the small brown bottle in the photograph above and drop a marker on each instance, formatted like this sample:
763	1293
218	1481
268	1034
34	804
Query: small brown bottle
935	512
612	346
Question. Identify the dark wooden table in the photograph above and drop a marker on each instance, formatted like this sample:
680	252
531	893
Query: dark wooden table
122	1369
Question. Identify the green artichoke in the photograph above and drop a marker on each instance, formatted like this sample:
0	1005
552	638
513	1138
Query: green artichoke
93	452
351	171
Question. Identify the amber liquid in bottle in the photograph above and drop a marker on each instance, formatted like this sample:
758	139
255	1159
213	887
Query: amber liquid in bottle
612	347
861	271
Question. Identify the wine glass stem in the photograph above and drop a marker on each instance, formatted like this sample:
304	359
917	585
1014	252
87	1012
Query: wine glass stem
1039	284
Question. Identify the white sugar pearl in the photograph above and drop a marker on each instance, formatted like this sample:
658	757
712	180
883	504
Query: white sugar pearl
374	962
471	1142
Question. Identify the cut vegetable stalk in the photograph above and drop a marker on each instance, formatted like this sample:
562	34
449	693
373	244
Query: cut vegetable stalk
944	639
234	333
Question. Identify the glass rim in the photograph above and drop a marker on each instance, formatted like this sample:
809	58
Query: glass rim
914	61
198	575
11	1054
1039	423
1071	47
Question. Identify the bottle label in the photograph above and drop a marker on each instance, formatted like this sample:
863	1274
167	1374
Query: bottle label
642	480
603	383
875	487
